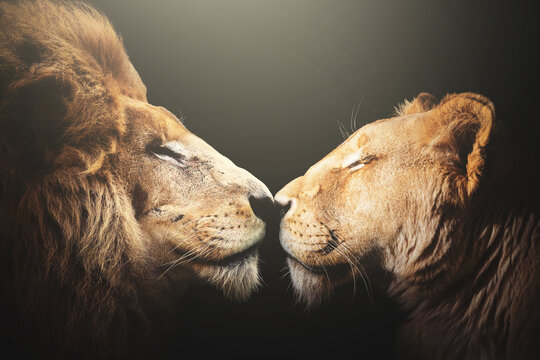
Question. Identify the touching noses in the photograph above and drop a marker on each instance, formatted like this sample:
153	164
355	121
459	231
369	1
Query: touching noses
260	198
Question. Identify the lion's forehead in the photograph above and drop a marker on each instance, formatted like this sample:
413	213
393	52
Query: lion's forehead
143	117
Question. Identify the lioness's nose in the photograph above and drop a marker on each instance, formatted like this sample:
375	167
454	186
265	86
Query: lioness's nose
283	201
286	198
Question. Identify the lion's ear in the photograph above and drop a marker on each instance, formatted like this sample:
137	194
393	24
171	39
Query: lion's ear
32	123
466	124
422	103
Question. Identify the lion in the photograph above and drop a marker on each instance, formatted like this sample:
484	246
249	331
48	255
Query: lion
431	198
110	207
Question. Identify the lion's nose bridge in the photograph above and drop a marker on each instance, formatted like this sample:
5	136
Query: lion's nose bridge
225	173
255	187
234	177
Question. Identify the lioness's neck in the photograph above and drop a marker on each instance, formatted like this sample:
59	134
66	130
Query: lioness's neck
468	303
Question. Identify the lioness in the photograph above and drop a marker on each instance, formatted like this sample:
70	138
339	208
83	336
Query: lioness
430	197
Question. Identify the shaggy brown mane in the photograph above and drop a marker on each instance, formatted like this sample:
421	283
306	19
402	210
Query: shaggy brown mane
67	38
66	217
74	48
105	198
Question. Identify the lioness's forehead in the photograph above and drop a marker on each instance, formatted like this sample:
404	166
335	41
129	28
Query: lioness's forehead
395	128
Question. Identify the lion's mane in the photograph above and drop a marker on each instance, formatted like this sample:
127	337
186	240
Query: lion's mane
72	259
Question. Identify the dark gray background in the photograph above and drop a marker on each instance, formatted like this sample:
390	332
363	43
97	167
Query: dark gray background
266	83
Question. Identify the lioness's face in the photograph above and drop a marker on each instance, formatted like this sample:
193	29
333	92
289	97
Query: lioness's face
352	202
192	203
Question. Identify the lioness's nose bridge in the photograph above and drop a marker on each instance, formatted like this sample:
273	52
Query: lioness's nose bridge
321	167
287	197
297	189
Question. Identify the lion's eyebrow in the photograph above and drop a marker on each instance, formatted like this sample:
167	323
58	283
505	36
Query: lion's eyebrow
175	146
180	118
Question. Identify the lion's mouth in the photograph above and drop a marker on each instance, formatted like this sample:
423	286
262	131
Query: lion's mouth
235	259
232	260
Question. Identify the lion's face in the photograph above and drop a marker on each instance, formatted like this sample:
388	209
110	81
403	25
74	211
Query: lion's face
82	116
191	202
370	196
109	206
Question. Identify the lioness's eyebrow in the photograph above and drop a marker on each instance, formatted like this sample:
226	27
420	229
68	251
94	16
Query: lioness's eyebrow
351	159
362	140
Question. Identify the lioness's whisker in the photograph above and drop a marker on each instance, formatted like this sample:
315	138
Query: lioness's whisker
361	271
348	255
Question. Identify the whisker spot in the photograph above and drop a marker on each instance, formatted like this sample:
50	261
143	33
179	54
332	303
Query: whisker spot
177	218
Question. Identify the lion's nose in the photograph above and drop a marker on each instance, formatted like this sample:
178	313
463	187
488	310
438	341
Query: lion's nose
262	206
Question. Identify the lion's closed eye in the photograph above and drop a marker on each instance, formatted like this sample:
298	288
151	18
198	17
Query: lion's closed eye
168	152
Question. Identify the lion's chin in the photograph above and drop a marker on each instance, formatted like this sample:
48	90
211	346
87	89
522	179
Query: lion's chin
237	278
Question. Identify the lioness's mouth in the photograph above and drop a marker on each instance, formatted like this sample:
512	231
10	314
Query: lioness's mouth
330	271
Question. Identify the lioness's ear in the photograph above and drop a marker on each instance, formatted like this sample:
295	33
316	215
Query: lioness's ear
422	103
466	124
32	123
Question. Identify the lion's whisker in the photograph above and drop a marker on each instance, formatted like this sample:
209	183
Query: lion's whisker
183	241
189	256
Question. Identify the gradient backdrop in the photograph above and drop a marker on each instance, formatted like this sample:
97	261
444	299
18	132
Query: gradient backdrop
267	82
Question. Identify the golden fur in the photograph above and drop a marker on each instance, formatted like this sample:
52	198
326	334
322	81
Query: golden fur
429	196
109	205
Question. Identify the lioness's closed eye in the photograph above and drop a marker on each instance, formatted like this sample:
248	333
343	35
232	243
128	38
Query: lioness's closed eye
108	204
430	193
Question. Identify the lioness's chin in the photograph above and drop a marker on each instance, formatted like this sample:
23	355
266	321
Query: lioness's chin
313	285
310	287
237	278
